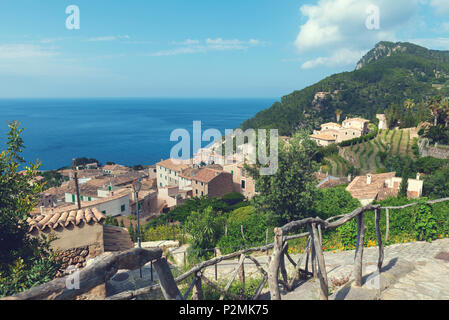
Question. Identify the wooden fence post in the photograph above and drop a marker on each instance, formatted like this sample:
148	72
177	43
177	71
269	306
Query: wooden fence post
197	288
379	241
168	284
151	270
283	269
216	266
273	269
266	241
387	223
322	273
313	255
358	260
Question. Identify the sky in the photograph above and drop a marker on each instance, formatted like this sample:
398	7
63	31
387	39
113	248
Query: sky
199	48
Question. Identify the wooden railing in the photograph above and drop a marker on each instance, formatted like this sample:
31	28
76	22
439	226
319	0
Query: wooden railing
106	266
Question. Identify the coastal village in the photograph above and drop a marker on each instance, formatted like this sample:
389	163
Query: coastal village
108	192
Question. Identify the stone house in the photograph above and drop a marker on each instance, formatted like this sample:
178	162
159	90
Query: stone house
80	236
168	172
242	181
381	186
335	133
214	183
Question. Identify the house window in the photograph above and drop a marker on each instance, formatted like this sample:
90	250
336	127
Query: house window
243	184
89	199
202	193
103	212
202	184
123	208
73	198
196	191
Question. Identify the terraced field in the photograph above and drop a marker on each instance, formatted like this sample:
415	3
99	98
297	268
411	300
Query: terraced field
365	155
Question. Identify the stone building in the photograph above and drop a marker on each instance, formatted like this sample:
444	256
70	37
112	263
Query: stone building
80	236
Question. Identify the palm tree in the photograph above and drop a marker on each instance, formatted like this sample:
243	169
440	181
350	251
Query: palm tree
409	104
444	108
435	106
338	113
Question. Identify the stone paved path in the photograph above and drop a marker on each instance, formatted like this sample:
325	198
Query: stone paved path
417	274
428	280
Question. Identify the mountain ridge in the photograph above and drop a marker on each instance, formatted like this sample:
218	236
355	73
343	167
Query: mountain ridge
388	74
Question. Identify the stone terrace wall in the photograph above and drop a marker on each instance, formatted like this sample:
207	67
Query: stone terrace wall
435	151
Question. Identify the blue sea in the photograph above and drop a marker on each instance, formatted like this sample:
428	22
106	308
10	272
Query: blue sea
125	131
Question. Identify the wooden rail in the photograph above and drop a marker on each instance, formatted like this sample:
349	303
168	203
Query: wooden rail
106	266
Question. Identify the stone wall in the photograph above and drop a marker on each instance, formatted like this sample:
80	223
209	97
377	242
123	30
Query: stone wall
77	257
426	150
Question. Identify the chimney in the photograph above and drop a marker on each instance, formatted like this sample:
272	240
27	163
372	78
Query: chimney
418	176
368	179
349	177
42	210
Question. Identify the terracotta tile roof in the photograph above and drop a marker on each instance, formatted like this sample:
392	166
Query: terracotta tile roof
360	189
66	219
206	175
113	167
89	204
331	124
215	167
323	137
356	119
189	173
170	164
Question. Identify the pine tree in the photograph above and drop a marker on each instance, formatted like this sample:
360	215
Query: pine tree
404	183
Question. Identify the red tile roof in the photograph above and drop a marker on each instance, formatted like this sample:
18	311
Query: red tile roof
66	219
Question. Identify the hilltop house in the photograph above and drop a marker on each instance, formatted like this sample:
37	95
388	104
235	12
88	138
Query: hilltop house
332	132
381	186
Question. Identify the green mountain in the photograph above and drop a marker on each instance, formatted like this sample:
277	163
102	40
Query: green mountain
388	74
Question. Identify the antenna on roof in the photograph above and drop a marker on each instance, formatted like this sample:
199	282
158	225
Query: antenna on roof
77	189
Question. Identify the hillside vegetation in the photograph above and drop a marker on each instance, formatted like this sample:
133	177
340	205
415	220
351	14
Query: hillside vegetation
388	75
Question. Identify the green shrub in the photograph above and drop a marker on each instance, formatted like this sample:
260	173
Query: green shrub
163	232
424	222
233	198
348	233
241	215
254	229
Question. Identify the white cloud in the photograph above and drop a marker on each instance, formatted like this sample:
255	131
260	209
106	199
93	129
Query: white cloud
99	39
334	25
19	51
195	46
343	57
187	42
441	6
109	38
